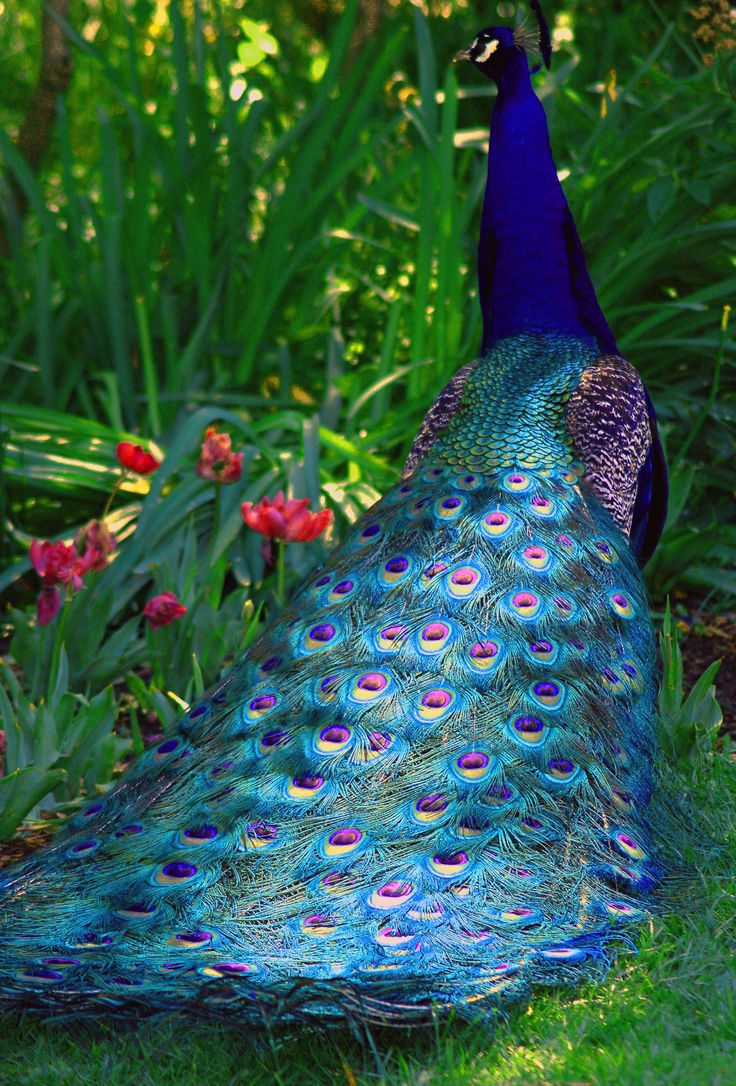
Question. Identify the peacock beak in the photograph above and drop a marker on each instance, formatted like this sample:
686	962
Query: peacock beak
464	54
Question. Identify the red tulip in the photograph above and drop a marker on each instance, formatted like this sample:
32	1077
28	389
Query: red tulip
163	609
99	543
217	461
134	458
288	519
58	563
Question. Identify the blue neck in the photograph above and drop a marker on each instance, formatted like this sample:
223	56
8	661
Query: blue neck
531	269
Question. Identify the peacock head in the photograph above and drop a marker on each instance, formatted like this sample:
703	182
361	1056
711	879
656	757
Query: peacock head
499	49
491	50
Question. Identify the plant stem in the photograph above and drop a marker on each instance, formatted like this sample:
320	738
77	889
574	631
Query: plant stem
215	524
58	643
280	571
113	492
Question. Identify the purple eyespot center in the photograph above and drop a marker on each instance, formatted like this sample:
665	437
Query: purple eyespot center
324	632
334	734
496	520
371	530
129	831
473	760
452	859
262	831
546	690
561	765
349	836
524	600
199	711
397	565
194	936
203	832
395	889
84	846
464	576
231	967
562	603
322	581
436	699
484	650
564	541
343	588
265	701
392	633
620	600
309	782
532	823
179	870
168	746
528	725
373	681
275	738
451	503
433	804
540	502
272	663
541	647
435	631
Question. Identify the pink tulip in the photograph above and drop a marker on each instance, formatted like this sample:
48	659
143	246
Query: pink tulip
217	462
286	518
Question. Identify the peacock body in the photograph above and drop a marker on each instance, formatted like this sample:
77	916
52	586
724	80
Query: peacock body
427	784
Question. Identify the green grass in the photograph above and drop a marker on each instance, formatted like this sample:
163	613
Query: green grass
666	1016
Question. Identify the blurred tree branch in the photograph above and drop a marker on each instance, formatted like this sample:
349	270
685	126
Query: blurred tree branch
53	79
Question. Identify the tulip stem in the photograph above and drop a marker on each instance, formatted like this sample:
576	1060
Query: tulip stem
113	492
215	523
281	571
58	644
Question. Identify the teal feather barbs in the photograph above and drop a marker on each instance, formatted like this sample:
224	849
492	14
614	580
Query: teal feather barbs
425	786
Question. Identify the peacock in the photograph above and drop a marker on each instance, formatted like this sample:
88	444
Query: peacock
427	786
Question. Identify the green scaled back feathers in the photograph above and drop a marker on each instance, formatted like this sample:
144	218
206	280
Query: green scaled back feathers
426	786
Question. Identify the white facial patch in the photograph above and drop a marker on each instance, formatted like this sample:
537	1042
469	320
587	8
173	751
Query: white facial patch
488	50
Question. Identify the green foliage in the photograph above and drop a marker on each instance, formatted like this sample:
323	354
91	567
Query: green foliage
689	724
292	232
56	746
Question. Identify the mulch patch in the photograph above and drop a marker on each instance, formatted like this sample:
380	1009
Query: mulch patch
22	845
